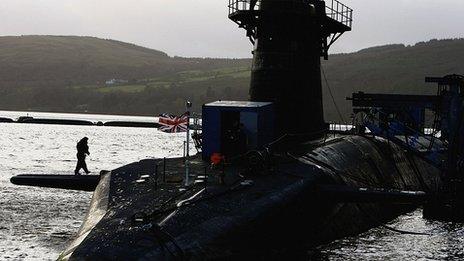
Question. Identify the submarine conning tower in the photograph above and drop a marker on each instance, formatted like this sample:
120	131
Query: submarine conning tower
289	37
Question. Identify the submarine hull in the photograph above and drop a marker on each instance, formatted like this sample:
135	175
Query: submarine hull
282	213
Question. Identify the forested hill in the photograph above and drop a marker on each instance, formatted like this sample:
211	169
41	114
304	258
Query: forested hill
73	74
61	61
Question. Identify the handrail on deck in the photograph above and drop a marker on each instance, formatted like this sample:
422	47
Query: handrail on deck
340	127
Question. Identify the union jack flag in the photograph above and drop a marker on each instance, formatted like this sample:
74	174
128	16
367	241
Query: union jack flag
170	123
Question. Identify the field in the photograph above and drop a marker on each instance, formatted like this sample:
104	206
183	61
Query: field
168	81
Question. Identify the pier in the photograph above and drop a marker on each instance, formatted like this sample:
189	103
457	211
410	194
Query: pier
32	120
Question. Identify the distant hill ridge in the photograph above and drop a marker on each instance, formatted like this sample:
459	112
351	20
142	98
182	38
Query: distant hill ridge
35	60
34	68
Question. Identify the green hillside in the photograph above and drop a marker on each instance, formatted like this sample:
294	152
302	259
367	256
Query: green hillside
68	73
59	61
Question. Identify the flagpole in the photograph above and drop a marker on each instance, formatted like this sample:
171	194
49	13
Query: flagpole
188	105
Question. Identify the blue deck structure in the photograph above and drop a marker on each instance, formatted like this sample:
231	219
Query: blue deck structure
219	118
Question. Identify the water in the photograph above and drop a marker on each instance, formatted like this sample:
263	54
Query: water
444	241
36	224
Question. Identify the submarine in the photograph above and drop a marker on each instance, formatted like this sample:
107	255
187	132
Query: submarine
271	180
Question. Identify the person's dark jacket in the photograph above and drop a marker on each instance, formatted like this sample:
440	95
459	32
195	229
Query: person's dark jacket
82	148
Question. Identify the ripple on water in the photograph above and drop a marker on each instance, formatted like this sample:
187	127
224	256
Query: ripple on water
35	223
444	241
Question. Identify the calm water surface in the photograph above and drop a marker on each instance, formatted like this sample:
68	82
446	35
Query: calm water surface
36	224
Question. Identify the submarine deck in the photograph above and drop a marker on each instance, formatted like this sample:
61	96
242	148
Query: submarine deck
143	210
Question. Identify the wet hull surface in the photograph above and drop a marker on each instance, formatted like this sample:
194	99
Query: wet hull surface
134	214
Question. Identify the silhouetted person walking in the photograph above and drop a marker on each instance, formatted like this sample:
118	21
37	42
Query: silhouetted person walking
82	150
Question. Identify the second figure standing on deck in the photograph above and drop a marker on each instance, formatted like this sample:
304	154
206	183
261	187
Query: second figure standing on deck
82	151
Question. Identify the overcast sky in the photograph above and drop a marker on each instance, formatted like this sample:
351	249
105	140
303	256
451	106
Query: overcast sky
200	28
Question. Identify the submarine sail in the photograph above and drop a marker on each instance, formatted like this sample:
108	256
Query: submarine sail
289	38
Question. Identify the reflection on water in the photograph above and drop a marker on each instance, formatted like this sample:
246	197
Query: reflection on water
36	223
444	241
